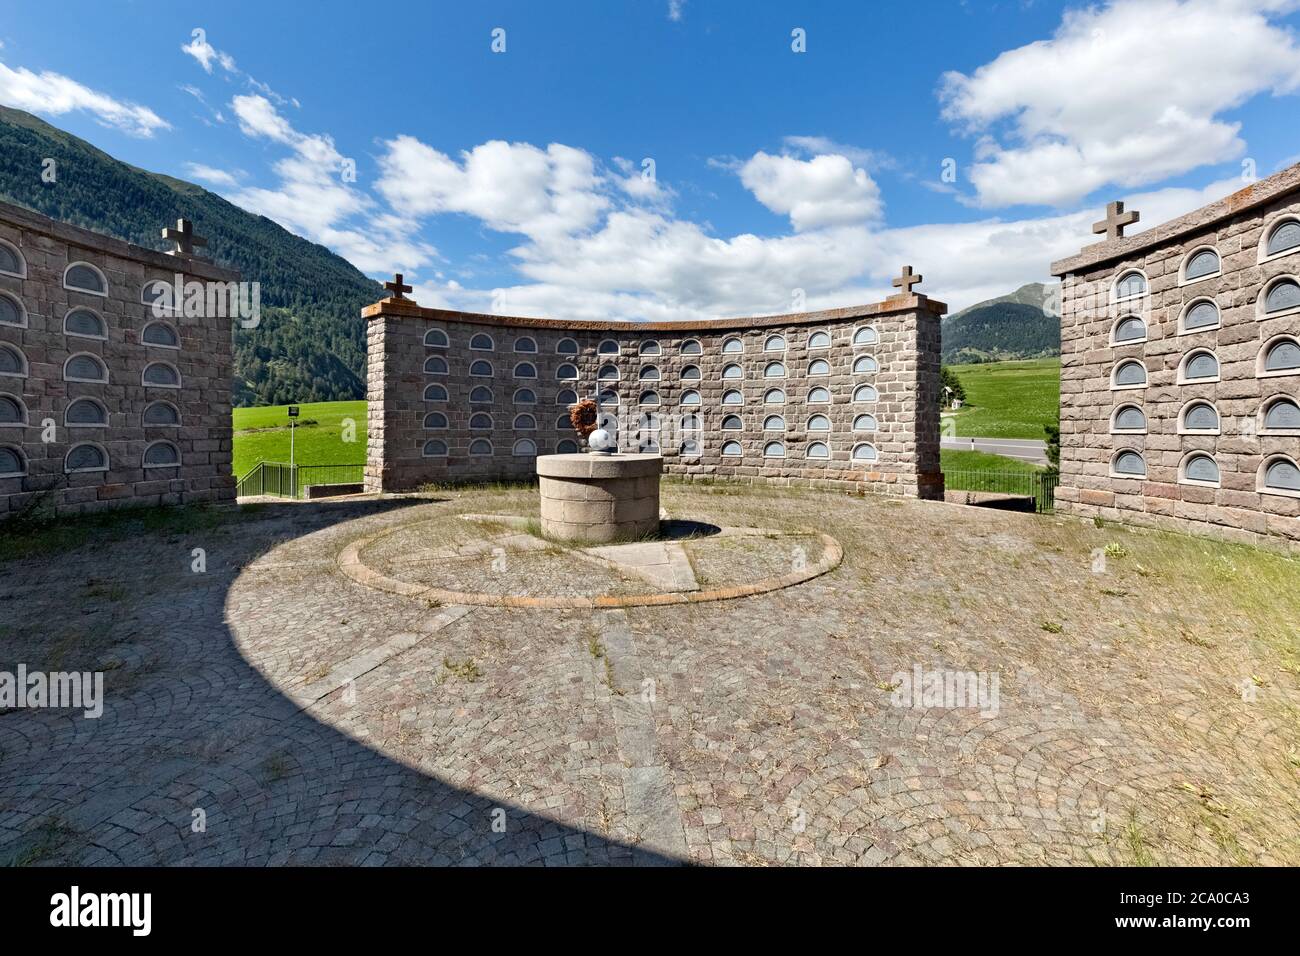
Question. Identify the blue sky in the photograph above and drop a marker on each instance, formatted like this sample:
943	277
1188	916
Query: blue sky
520	181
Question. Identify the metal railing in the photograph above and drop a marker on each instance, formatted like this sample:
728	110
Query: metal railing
288	481
1038	485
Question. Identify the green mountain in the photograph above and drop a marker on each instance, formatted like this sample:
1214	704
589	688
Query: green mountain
310	345
1015	326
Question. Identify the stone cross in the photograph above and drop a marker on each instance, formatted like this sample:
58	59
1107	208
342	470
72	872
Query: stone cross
396	287
907	280
184	237
1115	221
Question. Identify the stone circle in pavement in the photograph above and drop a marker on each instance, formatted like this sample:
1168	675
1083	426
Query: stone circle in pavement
307	718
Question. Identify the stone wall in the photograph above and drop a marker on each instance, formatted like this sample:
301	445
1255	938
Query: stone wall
874	423
37	385
1178	344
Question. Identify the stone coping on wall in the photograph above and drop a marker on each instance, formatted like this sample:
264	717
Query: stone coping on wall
1256	194
86	239
405	308
598	467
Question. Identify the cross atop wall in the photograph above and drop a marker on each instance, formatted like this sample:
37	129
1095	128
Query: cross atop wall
184	237
1115	221
907	280
396	287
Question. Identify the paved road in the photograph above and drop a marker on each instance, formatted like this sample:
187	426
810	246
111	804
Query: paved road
1026	449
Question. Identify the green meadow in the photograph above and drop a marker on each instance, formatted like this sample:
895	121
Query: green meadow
262	434
1004	400
951	461
1009	399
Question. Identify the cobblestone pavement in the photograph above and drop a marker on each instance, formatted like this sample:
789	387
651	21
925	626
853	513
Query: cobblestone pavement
1139	701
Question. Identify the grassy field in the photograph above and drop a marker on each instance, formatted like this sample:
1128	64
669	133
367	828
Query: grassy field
262	434
980	461
1009	399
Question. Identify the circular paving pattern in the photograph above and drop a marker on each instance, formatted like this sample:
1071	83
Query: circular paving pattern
495	560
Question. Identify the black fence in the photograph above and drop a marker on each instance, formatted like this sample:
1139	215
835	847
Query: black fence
1038	485
288	481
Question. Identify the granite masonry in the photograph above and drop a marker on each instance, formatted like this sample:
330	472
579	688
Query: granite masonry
106	400
845	396
1180	378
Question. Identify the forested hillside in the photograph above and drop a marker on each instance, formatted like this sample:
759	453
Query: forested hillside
1015	326
310	344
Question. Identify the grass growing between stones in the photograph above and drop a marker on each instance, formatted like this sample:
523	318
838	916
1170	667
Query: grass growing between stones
45	844
41	536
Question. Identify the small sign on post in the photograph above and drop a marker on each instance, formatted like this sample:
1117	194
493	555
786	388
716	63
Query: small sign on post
293	413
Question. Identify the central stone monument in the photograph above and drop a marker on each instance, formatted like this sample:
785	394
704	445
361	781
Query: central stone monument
599	498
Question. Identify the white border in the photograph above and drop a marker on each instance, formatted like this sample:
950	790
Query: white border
1186	360
1125	476
1262	256
154	444
1182	470
86	471
180	382
1182	418
1260	300
82	335
1262	488
1187	259
22	311
160	401
1268	403
89	381
22	261
1193	303
1114	373
98	404
99	272
22	461
22	408
156	345
1114	416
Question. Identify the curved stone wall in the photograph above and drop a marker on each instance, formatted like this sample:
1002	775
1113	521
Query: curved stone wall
1180	381
849	396
105	401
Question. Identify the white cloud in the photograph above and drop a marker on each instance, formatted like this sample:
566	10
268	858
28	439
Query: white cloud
258	117
512	187
313	200
675	8
1129	93
53	94
823	146
210	174
641	263
823	191
640	183
206	54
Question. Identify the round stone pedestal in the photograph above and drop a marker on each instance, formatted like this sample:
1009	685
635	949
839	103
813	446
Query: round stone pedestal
599	498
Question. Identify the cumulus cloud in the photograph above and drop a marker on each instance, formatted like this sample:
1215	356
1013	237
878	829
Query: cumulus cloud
823	191
1128	93
512	187
313	200
641	263
675	8
823	145
210	174
53	94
